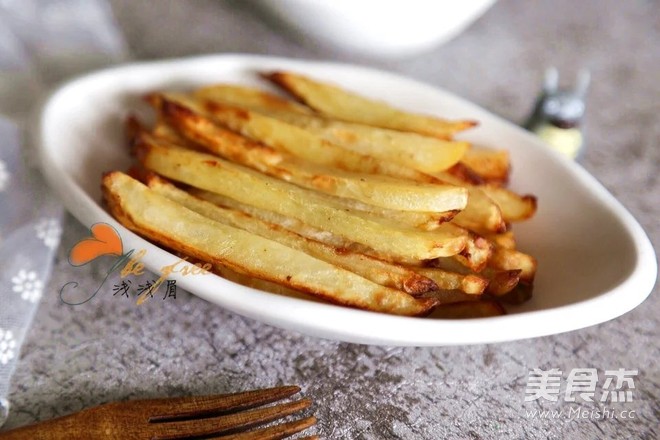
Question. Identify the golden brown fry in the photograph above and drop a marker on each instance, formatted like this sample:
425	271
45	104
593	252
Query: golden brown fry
173	226
299	142
476	254
506	240
308	145
304	229
514	207
245	280
469	284
491	165
452	296
222	142
189	122
132	127
423	153
167	133
473	258
380	191
464	175
467	310
247	186
351	183
380	272
501	282
267	216
428	221
481	213
508	259
341	104
251	98
259	284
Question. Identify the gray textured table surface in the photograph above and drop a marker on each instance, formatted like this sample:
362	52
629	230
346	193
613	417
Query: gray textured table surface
110	349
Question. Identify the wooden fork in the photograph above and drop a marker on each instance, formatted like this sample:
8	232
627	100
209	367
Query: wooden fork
227	416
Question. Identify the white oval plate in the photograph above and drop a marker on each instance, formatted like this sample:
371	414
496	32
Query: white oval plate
595	261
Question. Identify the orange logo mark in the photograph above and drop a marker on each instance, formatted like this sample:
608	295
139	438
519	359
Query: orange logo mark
105	240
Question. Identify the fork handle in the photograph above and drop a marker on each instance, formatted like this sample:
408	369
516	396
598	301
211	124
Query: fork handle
61	428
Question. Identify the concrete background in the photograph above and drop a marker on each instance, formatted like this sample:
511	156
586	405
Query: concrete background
109	349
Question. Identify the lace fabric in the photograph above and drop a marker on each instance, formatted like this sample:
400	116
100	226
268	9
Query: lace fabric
42	42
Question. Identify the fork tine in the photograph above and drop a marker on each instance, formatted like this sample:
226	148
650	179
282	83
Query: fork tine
199	406
229	424
275	432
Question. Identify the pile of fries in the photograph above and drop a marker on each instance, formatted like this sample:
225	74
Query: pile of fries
332	196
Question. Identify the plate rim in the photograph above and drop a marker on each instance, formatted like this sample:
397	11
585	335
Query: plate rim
279	308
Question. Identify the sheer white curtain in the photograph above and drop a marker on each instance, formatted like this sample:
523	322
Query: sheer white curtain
42	42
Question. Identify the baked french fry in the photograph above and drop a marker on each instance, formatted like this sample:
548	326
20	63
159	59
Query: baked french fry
427	221
423	153
514	207
452	296
380	272
472	260
283	221
501	282
215	174
491	165
481	213
247	280
380	191
251	98
464	174
446	280
340	198
294	140
506	240
309	145
333	101
467	310
476	254
509	259
174	226
259	284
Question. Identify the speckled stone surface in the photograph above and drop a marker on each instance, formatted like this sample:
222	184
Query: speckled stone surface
108	349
